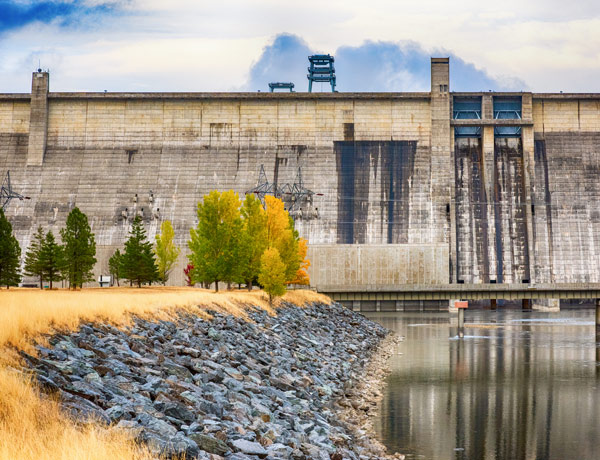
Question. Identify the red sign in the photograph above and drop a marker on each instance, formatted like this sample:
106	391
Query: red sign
461	304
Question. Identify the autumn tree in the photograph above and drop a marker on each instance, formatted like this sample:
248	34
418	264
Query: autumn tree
187	271
214	243
272	274
115	264
79	249
51	259
302	273
138	263
282	235
10	254
253	239
166	251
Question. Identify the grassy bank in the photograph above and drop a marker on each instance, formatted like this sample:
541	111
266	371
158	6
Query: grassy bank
31	425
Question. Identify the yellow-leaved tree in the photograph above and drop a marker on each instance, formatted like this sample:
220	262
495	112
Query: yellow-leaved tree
215	242
272	274
166	251
282	236
253	239
302	273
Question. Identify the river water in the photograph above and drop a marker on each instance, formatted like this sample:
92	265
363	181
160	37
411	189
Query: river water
518	386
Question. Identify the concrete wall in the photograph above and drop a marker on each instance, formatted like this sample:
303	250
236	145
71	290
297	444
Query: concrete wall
101	151
527	208
386	168
344	266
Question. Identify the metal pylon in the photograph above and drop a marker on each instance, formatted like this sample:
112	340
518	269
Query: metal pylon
263	187
7	193
296	194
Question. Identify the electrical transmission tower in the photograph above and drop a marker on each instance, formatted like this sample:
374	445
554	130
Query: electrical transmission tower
264	187
7	193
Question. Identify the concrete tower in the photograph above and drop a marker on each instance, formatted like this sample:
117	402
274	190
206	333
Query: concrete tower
38	121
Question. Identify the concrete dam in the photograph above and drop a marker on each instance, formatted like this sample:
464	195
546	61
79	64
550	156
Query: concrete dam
427	188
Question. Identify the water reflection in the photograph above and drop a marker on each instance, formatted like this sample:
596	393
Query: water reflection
518	386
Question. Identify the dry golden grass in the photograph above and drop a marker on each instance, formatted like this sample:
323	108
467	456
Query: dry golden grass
31	425
34	428
28	313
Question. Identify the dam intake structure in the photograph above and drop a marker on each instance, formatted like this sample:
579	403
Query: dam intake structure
429	188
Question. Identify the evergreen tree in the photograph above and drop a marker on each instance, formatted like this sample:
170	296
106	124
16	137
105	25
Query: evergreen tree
166	251
33	266
138	260
272	274
79	248
214	243
51	259
10	254
114	265
253	240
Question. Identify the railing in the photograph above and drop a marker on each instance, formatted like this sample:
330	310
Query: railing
467	114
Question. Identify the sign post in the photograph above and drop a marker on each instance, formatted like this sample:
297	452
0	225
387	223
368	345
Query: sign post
461	317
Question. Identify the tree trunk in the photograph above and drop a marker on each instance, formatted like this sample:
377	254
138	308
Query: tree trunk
41	283
50	283
249	285
139	282
216	286
229	285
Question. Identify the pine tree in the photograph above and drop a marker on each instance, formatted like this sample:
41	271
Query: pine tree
33	266
214	243
166	251
79	249
51	259
138	260
10	254
115	264
253	240
272	274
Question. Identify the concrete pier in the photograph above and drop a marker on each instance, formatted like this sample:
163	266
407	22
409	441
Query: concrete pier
597	320
461	322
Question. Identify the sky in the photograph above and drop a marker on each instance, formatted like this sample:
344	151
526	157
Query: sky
242	45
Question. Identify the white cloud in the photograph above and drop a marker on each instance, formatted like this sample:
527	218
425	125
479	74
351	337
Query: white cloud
191	45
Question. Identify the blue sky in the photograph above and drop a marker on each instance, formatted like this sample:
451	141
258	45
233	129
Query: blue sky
370	66
237	45
16	14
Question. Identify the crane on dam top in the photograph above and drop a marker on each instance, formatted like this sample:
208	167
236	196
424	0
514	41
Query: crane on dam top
281	85
7	193
321	70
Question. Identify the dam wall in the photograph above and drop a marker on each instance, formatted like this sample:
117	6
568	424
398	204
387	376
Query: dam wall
385	169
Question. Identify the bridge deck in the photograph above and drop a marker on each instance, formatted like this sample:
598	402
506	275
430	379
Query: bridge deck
464	291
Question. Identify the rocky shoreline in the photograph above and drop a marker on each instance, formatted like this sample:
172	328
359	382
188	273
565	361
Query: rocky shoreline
302	384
